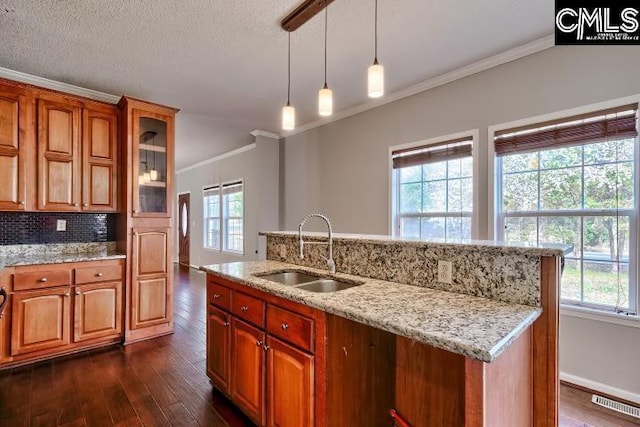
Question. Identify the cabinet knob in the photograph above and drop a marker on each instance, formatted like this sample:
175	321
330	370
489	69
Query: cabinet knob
77	292
98	274
225	324
244	308
66	294
266	347
22	202
43	280
216	296
259	343
85	204
284	326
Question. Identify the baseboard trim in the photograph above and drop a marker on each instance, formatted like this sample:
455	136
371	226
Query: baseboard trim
629	397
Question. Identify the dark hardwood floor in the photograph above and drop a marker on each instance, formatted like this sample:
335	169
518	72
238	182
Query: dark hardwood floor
162	382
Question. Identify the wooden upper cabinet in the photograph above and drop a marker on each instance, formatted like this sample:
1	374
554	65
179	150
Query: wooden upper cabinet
13	131
100	159
58	155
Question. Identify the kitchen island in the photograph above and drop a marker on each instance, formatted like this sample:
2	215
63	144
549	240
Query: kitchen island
434	356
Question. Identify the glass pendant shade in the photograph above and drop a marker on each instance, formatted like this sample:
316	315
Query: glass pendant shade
154	175
288	117
140	179
146	177
325	101
376	80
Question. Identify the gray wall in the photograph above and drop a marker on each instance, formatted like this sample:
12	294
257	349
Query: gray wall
341	169
259	169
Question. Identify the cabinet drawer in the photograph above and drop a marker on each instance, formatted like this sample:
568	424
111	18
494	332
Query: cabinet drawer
219	295
291	327
41	278
107	273
248	308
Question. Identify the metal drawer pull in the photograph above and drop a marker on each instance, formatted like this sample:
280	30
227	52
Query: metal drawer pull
284	326
244	308
266	348
98	274
259	343
43	280
216	296
225	324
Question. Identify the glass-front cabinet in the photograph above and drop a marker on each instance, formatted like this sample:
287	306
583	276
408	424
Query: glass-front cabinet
153	145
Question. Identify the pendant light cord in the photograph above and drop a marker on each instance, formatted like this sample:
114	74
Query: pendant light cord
326	18
289	72
375	60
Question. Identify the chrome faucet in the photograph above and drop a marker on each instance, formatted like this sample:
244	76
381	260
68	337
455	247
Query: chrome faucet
330	262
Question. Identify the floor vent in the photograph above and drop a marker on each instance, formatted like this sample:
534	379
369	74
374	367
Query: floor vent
616	406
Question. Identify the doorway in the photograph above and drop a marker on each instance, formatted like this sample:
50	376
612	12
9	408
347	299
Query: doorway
184	229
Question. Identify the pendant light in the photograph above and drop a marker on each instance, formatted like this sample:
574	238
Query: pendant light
376	71
288	112
325	95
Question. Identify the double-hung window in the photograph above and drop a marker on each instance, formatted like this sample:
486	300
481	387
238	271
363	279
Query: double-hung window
575	181
433	190
224	217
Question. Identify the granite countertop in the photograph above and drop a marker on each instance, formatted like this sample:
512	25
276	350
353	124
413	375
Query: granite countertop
475	327
535	249
59	258
34	254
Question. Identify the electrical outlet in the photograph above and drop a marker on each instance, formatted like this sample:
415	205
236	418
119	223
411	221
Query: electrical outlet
283	251
444	271
61	225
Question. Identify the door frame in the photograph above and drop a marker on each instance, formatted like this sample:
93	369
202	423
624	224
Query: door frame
177	228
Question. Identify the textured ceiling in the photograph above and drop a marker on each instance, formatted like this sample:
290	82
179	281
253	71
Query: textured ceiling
224	61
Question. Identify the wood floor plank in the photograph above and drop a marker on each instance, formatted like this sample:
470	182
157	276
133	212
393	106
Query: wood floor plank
179	416
149	412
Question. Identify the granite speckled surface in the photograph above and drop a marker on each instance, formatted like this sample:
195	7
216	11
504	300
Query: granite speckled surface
18	255
507	274
475	327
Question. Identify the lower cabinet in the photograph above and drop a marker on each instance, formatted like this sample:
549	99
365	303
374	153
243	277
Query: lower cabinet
218	348
98	311
290	379
61	308
41	320
248	369
269	375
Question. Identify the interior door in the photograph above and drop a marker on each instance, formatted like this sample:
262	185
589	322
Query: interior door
184	218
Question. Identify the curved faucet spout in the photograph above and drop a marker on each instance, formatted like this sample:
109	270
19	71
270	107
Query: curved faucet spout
330	262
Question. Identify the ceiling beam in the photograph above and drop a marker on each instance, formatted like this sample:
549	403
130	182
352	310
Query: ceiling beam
301	14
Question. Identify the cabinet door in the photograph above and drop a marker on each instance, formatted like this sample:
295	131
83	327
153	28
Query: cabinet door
247	370
98	311
151	290
218	347
152	164
99	159
290	380
13	123
40	320
58	156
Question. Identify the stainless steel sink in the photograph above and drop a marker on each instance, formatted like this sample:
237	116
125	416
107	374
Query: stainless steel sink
328	285
308	282
291	278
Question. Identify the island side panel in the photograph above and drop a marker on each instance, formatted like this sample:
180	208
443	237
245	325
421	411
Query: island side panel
508	390
545	346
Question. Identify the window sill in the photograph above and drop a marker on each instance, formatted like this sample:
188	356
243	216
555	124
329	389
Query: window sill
600	316
211	249
232	253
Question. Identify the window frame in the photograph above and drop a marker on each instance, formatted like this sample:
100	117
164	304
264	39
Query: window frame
495	219
393	219
222	219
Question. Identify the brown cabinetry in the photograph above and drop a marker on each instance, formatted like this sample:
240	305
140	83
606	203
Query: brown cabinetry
51	313
14	110
260	354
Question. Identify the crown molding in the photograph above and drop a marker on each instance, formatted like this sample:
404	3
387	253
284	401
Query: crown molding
59	86
218	158
468	70
265	133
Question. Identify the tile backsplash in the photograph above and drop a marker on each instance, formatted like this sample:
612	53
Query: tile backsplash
20	228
